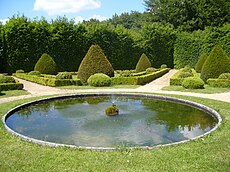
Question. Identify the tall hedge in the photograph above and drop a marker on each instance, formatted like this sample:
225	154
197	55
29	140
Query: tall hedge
143	63
46	65
94	62
217	63
200	62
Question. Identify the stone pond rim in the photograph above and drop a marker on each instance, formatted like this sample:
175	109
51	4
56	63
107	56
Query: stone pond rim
201	107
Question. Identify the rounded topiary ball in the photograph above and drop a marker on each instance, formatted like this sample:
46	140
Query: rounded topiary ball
151	70
64	75
224	76
193	83
185	75
99	80
37	73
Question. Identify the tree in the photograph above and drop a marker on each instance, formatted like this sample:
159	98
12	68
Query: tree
190	14
46	65
143	63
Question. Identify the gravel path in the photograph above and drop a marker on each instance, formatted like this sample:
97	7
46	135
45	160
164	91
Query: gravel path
155	86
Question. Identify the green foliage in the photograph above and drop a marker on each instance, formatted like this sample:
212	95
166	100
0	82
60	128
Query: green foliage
222	83
151	70
217	63
224	76
183	73
112	110
163	66
94	62
200	62
20	71
46	65
48	81
139	80
193	83
99	80
64	75
190	15
7	79
157	40
37	73
11	86
143	63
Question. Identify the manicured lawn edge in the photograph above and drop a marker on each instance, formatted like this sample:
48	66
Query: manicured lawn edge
210	153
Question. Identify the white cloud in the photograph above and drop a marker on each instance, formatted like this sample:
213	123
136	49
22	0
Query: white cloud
98	17
56	7
3	21
78	19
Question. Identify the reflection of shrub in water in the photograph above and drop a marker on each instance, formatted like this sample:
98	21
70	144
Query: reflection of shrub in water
175	115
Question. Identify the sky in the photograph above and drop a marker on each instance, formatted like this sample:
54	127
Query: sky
78	10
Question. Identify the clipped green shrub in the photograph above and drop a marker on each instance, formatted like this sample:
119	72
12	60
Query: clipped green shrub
200	62
143	63
94	62
46	65
64	75
224	76
178	77
163	66
37	73
20	71
11	86
99	80
6	79
185	74
151	70
217	63
193	83
222	83
187	68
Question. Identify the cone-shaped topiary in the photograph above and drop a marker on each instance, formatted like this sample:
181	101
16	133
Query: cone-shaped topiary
143	63
217	63
200	62
46	65
94	62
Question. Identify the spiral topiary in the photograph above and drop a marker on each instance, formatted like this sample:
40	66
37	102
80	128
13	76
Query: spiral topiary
64	75
99	80
94	62
46	65
193	83
200	62
143	63
217	63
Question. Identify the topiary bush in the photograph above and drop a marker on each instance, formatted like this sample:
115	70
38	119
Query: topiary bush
185	74
94	62
6	79
200	62
37	73
163	66
143	63
64	75
193	83
217	63
151	70
224	76
46	65
99	80
20	71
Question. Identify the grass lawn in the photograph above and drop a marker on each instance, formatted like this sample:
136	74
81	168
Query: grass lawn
91	87
10	93
207	90
211	153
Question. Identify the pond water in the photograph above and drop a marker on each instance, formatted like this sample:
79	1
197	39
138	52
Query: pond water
81	121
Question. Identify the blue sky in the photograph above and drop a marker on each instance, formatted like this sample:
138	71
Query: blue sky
73	9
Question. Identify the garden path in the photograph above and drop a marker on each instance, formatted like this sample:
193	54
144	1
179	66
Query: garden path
155	86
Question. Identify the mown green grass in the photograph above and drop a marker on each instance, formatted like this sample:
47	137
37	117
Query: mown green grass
211	153
11	93
207	90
